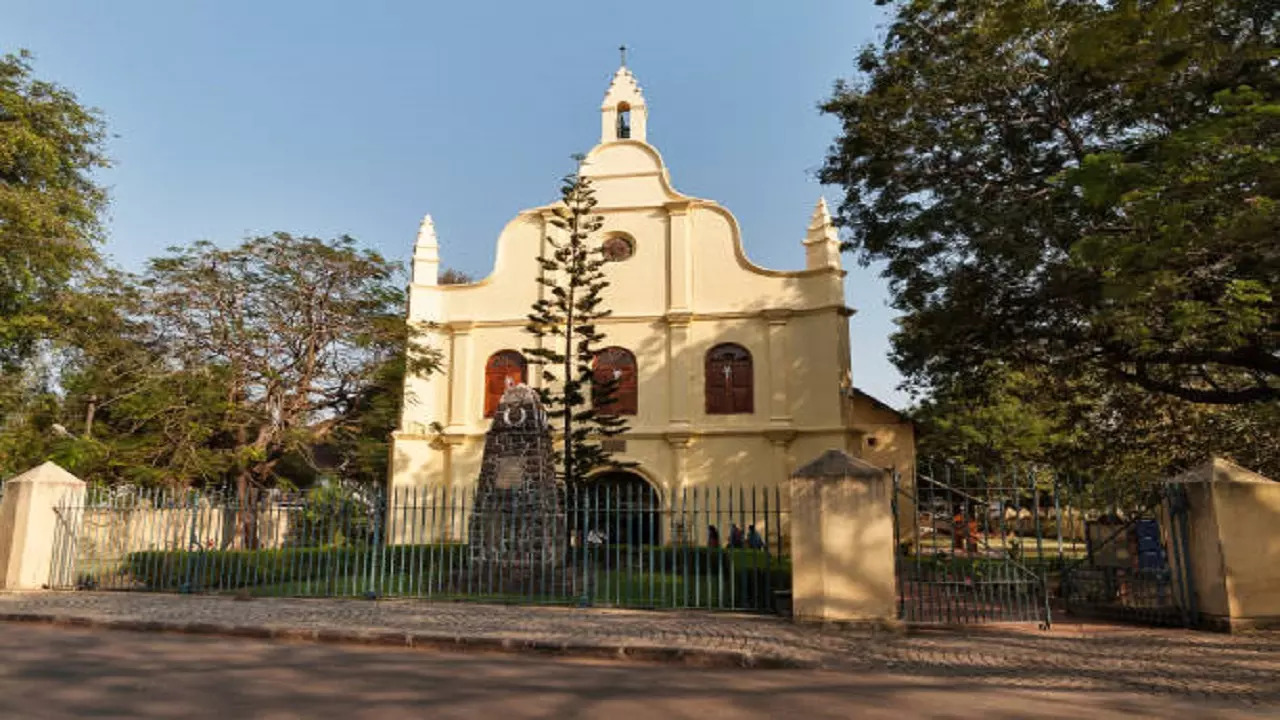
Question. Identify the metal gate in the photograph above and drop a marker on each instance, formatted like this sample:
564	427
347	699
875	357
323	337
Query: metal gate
961	558
1022	545
1136	566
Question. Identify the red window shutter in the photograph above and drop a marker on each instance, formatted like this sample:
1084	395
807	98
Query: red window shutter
713	381
628	392
619	362
742	386
728	380
504	368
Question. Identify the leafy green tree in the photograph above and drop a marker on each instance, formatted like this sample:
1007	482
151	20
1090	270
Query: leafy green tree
357	447
1076	187
131	411
1005	422
299	327
565	321
1030	418
50	206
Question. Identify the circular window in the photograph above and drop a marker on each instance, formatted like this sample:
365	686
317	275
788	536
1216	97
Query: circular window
618	248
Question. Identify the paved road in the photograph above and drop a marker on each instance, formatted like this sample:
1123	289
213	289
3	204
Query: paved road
1236	670
52	672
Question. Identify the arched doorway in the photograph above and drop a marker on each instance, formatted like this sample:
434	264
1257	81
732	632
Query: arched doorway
619	507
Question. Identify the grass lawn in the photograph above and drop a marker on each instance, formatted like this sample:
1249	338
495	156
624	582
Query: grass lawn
618	588
1027	550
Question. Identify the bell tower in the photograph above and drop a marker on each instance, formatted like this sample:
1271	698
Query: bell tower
623	115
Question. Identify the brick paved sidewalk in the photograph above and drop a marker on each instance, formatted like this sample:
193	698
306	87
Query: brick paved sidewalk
1235	668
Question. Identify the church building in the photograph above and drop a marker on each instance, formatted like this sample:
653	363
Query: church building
730	374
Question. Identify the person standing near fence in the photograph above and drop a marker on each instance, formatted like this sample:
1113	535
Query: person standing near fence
958	530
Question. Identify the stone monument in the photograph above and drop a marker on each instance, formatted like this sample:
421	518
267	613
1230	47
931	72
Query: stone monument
517	527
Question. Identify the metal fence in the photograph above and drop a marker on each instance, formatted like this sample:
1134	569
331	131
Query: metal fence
708	548
1021	543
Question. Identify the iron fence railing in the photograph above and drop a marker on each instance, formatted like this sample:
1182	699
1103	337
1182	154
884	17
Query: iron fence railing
709	548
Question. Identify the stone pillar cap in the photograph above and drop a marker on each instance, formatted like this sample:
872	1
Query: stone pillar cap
48	472
834	464
1217	469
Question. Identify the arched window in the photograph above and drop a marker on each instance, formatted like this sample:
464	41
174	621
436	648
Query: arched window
504	369
624	121
729	380
616	364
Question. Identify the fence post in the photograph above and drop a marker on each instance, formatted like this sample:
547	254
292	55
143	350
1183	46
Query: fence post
29	524
842	549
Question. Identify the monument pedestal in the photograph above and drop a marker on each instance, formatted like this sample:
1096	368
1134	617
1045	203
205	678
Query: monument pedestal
517	526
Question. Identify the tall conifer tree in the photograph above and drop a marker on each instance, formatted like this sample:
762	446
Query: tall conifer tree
565	318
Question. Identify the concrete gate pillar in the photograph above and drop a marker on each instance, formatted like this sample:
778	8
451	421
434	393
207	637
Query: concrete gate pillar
842	554
29	524
1233	544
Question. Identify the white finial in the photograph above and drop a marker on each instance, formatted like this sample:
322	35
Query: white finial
821	215
426	254
427	233
822	241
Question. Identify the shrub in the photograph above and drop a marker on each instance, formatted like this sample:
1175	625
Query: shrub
332	515
230	569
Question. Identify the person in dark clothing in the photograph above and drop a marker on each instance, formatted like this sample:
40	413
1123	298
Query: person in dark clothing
713	536
754	541
735	536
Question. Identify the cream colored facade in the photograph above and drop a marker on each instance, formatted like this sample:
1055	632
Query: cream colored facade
687	287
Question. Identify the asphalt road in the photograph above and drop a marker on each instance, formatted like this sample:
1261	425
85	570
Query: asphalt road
50	672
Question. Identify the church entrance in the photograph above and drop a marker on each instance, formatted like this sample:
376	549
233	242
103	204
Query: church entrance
619	508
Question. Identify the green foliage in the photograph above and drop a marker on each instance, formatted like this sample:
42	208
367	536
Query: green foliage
1035	418
677	573
1005	421
162	570
694	560
1086	189
50	207
273	362
302	329
565	320
332	516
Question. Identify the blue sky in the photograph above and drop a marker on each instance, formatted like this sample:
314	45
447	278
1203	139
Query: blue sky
234	118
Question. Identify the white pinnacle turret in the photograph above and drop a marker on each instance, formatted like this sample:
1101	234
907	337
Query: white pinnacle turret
427	233
426	254
822	241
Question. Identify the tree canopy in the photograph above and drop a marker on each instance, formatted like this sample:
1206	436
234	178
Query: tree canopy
274	361
50	205
1074	186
